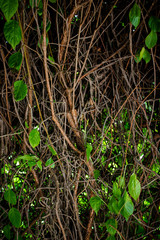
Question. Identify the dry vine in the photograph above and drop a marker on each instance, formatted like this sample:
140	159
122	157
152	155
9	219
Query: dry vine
81	98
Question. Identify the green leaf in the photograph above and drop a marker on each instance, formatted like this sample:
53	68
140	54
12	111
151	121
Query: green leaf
154	24
15	61
15	217
141	53
126	206
48	26
9	8
32	3
39	164
95	203
26	124
26	157
54	153
10	197
113	205
51	60
96	174
40	8
111	237
50	162
116	190
52	1
31	163
12	33
137	57
121	182
88	150
38	4
20	90
145	55
7	231
134	186
110	204
151	40
135	15
111	226
34	138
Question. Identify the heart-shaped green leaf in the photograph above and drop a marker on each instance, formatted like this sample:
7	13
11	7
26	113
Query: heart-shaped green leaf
151	40
12	33
9	8
50	162
15	217
10	197
111	226
34	138
20	90
135	15
126	205
39	164
95	203
145	55
154	24
134	186
15	61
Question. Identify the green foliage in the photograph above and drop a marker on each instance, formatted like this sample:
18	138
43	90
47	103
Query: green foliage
96	174
7	231
116	190
134	187
121	182
10	197
39	164
135	15
111	226
151	39
48	26
145	55
20	90
126	205
28	161
50	163
52	1
15	217
34	138
95	203
54	153
117	134
154	24
15	61
41	41
9	8
12	33
111	237
88	150
38	4
51	60
26	157
26	124
120	202
19	237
